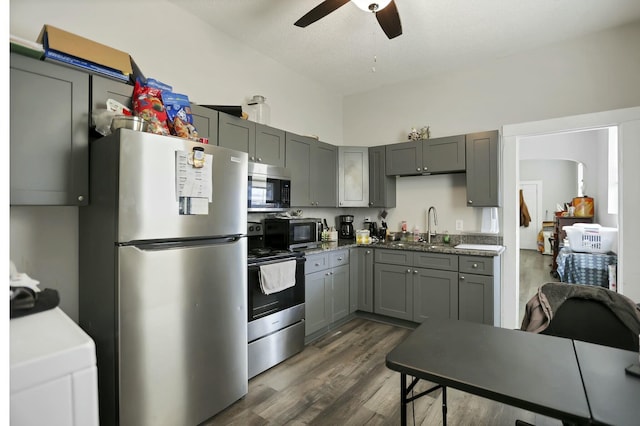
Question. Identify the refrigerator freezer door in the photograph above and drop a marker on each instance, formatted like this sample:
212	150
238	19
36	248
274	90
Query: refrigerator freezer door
182	332
133	174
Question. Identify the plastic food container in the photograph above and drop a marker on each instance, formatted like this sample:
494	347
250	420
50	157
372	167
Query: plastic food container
363	237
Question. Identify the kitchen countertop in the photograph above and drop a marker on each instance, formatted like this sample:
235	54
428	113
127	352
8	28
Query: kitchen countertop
413	246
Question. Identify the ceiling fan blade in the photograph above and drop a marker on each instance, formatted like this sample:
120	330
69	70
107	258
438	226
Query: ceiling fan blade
320	11
389	20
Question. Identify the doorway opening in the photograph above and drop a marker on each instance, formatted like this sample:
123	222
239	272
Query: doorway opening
627	121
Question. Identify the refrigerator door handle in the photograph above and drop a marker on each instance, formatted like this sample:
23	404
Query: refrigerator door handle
168	245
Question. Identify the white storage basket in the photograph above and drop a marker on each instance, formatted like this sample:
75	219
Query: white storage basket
591	237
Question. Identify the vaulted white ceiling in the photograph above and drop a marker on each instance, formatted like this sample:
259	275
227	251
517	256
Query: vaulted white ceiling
348	51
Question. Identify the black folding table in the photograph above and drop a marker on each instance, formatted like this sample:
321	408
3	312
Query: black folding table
535	372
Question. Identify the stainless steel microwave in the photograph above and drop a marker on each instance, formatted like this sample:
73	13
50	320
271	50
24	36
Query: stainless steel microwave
294	233
269	188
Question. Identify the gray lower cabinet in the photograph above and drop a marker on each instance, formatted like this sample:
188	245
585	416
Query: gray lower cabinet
353	176
435	294
361	269
313	167
205	120
435	286
49	133
382	188
393	287
479	289
482	168
327	288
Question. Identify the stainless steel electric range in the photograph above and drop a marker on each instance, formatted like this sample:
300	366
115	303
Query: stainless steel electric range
275	321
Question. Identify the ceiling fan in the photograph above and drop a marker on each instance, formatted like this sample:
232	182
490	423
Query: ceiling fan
385	11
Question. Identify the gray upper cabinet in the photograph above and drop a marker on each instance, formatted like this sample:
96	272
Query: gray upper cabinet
236	133
264	144
444	155
49	133
353	176
382	188
270	145
103	89
314	174
205	121
404	158
483	169
440	155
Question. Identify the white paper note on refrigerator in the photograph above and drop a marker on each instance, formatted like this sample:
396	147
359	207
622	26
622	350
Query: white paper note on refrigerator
193	181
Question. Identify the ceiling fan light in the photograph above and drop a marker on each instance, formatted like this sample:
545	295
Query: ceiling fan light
366	4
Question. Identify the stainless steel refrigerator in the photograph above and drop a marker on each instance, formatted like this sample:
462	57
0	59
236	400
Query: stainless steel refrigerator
163	277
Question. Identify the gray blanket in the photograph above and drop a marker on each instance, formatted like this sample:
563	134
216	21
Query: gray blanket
541	307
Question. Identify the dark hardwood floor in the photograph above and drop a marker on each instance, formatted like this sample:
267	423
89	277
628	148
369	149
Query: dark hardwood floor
341	379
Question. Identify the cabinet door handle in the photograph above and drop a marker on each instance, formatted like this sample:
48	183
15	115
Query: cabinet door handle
474	266
461	277
415	271
253	158
408	271
368	252
370	203
317	264
259	160
418	169
339	259
470	202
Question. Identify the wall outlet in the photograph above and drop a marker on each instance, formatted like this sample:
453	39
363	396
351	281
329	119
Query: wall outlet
459	224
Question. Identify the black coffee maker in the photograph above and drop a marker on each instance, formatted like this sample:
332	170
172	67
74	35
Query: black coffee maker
346	227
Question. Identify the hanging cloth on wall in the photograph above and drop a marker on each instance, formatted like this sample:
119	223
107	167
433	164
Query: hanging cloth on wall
525	218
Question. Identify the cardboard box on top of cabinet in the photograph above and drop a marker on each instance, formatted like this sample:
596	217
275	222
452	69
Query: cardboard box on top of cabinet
56	40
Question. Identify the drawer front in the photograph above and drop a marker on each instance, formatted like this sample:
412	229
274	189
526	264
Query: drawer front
444	262
394	257
476	265
338	258
316	262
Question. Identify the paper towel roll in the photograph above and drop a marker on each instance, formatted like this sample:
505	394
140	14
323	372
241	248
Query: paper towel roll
490	220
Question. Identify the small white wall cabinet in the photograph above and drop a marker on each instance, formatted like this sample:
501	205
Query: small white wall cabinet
353	176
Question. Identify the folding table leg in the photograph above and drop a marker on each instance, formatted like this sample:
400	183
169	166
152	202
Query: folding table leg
444	406
403	399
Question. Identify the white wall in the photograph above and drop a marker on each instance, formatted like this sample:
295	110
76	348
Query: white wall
594	73
559	182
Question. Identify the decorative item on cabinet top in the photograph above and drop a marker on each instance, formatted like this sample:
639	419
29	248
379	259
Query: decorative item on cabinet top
422	134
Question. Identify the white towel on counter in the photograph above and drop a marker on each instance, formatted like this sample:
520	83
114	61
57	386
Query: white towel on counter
278	276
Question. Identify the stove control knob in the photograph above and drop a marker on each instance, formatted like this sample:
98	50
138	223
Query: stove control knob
258	228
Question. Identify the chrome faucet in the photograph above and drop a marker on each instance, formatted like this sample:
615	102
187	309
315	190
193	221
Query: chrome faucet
435	223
